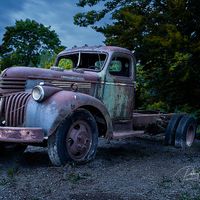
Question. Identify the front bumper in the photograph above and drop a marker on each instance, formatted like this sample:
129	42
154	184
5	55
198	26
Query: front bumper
21	135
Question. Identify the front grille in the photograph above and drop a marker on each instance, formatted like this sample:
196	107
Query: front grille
14	108
8	85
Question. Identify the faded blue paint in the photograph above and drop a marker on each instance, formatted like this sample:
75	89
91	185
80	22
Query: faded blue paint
50	113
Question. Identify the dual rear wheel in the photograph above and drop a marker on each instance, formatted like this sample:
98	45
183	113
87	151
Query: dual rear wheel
181	131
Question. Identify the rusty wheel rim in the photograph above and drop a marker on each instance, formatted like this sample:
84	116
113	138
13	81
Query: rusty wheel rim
79	140
190	135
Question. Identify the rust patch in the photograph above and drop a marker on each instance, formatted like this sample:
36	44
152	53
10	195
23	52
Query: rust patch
21	135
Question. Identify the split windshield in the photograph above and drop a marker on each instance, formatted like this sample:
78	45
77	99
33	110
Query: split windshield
82	60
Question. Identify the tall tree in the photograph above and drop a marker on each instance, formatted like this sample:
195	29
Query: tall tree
24	42
165	35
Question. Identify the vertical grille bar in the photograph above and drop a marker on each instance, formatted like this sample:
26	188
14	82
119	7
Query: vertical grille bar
14	108
18	105
7	109
21	111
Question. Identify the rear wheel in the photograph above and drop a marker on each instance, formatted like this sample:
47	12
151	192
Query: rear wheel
185	132
75	140
171	129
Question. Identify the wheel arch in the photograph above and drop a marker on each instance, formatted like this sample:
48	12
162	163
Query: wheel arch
99	118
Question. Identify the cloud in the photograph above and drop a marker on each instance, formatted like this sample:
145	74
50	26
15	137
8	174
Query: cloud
57	14
6	8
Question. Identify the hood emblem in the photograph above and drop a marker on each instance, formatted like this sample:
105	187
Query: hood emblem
74	87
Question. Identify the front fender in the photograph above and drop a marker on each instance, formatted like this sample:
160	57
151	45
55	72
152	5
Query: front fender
50	113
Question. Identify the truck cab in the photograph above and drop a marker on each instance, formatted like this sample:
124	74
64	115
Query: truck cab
89	92
115	69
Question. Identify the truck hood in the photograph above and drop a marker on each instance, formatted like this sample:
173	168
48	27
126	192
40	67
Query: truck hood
49	74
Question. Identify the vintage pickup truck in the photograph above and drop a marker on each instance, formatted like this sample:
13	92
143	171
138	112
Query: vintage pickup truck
68	110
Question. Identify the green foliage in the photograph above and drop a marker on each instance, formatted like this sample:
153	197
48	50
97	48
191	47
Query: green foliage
75	177
66	64
24	42
12	171
47	59
161	106
166	38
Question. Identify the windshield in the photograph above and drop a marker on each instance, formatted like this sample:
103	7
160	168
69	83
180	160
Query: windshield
81	60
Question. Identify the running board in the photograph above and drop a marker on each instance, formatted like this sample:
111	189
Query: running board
126	134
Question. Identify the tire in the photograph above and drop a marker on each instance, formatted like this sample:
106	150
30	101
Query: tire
185	132
76	139
171	129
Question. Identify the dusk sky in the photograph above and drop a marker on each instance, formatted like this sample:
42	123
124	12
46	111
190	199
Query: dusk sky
57	14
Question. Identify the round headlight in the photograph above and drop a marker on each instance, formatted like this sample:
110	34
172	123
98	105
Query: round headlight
38	93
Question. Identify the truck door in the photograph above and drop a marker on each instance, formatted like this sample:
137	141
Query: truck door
119	89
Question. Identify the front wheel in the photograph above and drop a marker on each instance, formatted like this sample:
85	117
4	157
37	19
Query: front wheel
76	139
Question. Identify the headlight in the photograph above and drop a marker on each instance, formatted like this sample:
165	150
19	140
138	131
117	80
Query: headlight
38	93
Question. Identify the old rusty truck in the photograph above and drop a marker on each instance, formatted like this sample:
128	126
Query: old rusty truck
68	110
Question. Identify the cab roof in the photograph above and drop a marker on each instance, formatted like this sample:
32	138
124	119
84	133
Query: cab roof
105	49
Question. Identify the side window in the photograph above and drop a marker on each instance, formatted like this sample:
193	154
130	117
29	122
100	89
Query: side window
120	66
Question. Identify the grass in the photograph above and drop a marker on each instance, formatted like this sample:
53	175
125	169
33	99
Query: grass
3	182
165	182
75	177
10	179
12	171
186	196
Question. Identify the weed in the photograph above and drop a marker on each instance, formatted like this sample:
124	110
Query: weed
186	196
3	182
165	182
74	178
12	171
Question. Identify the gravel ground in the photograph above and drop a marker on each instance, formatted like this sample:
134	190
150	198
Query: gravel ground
137	169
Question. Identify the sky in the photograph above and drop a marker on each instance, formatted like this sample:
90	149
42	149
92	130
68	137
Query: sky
57	14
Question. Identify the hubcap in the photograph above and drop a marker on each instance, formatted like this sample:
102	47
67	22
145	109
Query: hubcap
190	135
79	140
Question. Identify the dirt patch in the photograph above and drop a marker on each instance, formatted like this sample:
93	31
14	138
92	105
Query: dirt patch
136	169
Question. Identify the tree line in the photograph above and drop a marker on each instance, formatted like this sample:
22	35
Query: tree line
29	43
164	34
